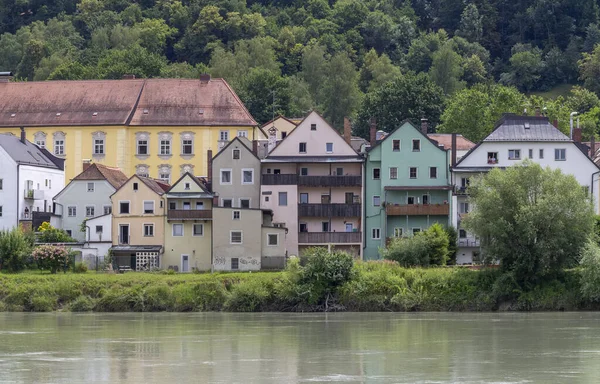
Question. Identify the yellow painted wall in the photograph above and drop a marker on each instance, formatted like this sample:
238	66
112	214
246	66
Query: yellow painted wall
120	146
197	247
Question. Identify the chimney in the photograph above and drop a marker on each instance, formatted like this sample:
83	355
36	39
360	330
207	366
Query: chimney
86	164
347	131
424	126
272	139
255	147
204	78
592	147
555	123
209	166
129	76
453	150
23	137
373	131
577	135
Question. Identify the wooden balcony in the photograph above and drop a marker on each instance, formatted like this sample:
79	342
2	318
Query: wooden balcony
417	209
330	181
189	214
329	210
329	237
281	179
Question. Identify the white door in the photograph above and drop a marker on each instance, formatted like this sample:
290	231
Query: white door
185	263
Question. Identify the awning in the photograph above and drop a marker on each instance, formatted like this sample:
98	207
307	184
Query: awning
136	248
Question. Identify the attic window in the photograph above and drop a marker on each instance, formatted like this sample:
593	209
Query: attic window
95	114
58	114
13	114
201	112
526	125
145	111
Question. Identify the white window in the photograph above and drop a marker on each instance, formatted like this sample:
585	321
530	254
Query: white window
416	145
149	207
72	211
187	147
376	201
541	153
514	154
187	205
99	147
89	211
224	135
329	147
41	143
492	157
302	147
560	154
242	133
199	205
462	233
463	208
165	147
236	237
166	177
107	209
433	172
376	173
283	198
90	187
124	207
142	147
395	145
412	172
148	230
397	232
59	147
236	215
225	176
393	172
272	239
236	154
198	229
247	176
376	234
177	229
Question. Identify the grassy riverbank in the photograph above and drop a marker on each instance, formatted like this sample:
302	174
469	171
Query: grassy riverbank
374	286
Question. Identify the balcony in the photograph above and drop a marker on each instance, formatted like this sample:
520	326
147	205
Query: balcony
189	214
417	209
461	191
469	243
330	181
33	194
329	210
329	237
280	179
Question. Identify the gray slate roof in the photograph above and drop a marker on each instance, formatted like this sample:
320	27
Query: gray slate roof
26	153
525	128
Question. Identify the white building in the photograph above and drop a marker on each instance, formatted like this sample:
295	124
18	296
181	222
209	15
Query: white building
98	241
29	178
516	138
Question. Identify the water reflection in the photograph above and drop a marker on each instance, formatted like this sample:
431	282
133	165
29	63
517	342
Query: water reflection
289	348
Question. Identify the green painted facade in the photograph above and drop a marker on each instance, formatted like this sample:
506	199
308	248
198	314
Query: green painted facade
406	186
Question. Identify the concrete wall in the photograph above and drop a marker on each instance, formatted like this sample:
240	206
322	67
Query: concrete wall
249	251
198	248
9	192
283	214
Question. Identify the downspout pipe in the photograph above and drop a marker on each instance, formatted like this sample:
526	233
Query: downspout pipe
571	120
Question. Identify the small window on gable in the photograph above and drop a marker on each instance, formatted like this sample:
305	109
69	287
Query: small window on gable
395	145
492	157
560	154
329	147
90	187
416	145
187	186
236	154
135	186
313	127
302	147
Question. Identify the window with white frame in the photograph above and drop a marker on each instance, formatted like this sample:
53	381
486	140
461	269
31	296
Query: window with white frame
329	147
225	176
41	143
165	147
304	171
416	230
227	203
199	205
224	136
123	207
99	147
302	147
560	154
530	153
107	209
376	233
142	147
236	154
149	207
236	237
148	230
412	172
187	146
59	147
416	145
141	143
272	239
242	133
462	234
90	187
89	211
198	230
393	172
313	127
376	201
40	139
236	215
99	229
514	154
397	232
177	230
247	176
166	177
463	208
71	211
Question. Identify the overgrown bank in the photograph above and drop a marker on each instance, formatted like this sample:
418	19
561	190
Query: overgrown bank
372	286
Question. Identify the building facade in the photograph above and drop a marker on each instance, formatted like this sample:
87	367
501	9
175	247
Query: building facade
407	187
312	181
30	177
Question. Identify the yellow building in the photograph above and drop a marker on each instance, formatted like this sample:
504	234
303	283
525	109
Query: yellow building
138	223
188	226
159	128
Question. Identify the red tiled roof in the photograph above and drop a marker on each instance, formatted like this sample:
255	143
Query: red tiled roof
155	185
445	139
95	171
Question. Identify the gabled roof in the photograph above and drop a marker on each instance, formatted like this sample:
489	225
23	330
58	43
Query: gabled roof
242	142
175	102
96	171
280	117
445	140
157	186
513	127
27	153
194	178
400	125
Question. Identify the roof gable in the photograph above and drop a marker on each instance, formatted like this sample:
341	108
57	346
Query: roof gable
96	171
405	124
26	153
243	146
195	185
315	140
155	186
525	128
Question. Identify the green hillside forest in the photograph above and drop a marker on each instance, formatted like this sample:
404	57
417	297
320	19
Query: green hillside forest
459	63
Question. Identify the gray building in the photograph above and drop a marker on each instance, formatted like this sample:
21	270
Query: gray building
87	196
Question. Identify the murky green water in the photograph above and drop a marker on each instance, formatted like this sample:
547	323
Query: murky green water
292	348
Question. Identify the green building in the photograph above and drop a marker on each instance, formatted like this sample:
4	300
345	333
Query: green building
407	186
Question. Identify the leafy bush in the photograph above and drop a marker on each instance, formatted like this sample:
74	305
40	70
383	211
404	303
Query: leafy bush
429	247
51	257
14	248
80	268
248	296
82	304
324	272
590	272
49	234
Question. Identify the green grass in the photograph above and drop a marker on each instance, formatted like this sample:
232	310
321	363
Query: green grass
559	90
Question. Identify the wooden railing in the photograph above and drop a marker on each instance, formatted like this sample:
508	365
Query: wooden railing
417	209
330	181
280	179
189	214
329	237
329	210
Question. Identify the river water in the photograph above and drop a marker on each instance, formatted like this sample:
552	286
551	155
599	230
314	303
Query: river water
300	348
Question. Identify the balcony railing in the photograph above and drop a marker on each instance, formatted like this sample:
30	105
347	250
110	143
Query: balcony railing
460	190
329	237
189	214
417	209
329	210
330	181
280	179
33	194
469	243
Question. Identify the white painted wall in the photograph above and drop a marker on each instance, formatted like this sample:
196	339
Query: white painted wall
8	193
48	180
283	214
